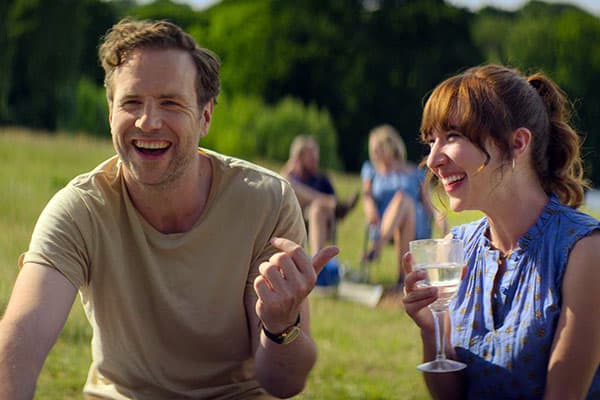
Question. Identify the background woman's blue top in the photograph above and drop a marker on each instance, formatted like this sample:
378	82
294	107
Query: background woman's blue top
505	335
384	187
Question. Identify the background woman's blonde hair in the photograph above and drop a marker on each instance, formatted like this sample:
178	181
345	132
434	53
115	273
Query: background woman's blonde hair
388	141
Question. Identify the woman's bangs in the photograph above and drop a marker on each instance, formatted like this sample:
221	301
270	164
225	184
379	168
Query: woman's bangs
445	109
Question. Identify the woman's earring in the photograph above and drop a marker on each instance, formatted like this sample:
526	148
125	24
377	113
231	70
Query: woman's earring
513	164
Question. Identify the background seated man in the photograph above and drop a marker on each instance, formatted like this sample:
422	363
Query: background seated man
314	191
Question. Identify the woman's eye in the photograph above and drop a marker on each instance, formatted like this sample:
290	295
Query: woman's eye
451	136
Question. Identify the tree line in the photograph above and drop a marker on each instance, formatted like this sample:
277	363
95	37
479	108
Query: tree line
335	68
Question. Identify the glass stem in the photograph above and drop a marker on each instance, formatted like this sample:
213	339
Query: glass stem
439	317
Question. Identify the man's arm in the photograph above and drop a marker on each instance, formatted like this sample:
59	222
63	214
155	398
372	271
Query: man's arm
282	288
307	195
39	305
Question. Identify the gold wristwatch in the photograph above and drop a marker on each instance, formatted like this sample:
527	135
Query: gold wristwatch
287	336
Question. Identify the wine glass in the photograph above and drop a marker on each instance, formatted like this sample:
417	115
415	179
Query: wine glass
443	261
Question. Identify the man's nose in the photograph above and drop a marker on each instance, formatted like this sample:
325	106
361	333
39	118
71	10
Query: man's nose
150	118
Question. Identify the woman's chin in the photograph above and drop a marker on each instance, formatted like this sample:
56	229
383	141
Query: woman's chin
457	205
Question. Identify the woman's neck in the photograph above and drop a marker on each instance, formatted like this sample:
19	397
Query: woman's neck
387	166
512	215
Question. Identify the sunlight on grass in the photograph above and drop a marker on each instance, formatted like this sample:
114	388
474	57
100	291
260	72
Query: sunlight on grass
364	353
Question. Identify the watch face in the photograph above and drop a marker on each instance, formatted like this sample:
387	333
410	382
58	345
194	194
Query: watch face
290	336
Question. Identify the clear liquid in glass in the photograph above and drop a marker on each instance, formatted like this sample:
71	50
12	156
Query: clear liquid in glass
445	277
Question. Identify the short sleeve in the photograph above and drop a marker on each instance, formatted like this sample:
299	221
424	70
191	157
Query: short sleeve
421	175
288	224
367	172
57	240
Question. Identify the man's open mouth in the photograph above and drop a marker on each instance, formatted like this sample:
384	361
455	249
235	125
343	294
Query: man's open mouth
151	147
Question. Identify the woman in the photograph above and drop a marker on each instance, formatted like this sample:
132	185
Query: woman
525	319
396	201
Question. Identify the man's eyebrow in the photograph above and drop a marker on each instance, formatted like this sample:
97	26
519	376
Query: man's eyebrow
170	96
166	96
129	96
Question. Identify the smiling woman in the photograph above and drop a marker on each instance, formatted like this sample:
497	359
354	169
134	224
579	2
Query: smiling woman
501	143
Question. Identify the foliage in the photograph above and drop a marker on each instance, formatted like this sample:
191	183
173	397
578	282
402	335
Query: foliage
46	59
233	126
362	62
276	129
89	111
561	41
365	66
246	127
178	13
7	45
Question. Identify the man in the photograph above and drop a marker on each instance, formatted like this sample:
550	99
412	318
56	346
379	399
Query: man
189	263
314	191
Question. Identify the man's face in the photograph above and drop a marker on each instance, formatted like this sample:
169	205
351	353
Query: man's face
310	159
154	117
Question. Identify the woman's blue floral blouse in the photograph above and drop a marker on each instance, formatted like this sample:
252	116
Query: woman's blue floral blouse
504	335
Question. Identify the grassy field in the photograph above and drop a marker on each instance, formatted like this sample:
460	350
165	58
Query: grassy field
364	353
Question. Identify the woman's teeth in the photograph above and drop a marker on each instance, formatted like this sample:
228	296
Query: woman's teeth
452	178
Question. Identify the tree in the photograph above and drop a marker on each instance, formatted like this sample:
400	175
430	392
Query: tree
562	41
364	65
5	59
48	40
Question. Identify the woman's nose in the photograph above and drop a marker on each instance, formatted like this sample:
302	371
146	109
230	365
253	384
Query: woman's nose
436	156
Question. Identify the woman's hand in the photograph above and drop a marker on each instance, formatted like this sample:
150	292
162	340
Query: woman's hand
416	299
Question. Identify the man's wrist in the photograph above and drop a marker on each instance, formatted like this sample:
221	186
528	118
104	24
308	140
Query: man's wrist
287	336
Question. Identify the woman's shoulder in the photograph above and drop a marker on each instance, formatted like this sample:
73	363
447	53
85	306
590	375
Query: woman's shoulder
470	230
566	222
367	170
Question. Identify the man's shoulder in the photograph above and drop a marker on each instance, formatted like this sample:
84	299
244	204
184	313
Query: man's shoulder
97	185
233	166
105	173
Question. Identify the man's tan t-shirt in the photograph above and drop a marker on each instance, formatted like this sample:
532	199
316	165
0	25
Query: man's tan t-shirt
167	310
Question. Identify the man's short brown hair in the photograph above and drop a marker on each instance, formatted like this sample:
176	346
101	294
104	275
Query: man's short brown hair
128	35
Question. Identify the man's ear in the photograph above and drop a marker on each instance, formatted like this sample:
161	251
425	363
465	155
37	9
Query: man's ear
206	116
110	105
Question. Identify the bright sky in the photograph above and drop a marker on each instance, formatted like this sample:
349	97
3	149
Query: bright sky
592	6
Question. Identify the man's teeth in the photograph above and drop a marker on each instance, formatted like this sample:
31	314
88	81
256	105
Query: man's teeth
451	179
151	144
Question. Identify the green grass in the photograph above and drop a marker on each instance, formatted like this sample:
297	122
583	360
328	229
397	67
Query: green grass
364	353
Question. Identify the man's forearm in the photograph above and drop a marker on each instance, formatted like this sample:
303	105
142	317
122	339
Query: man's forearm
17	376
282	369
